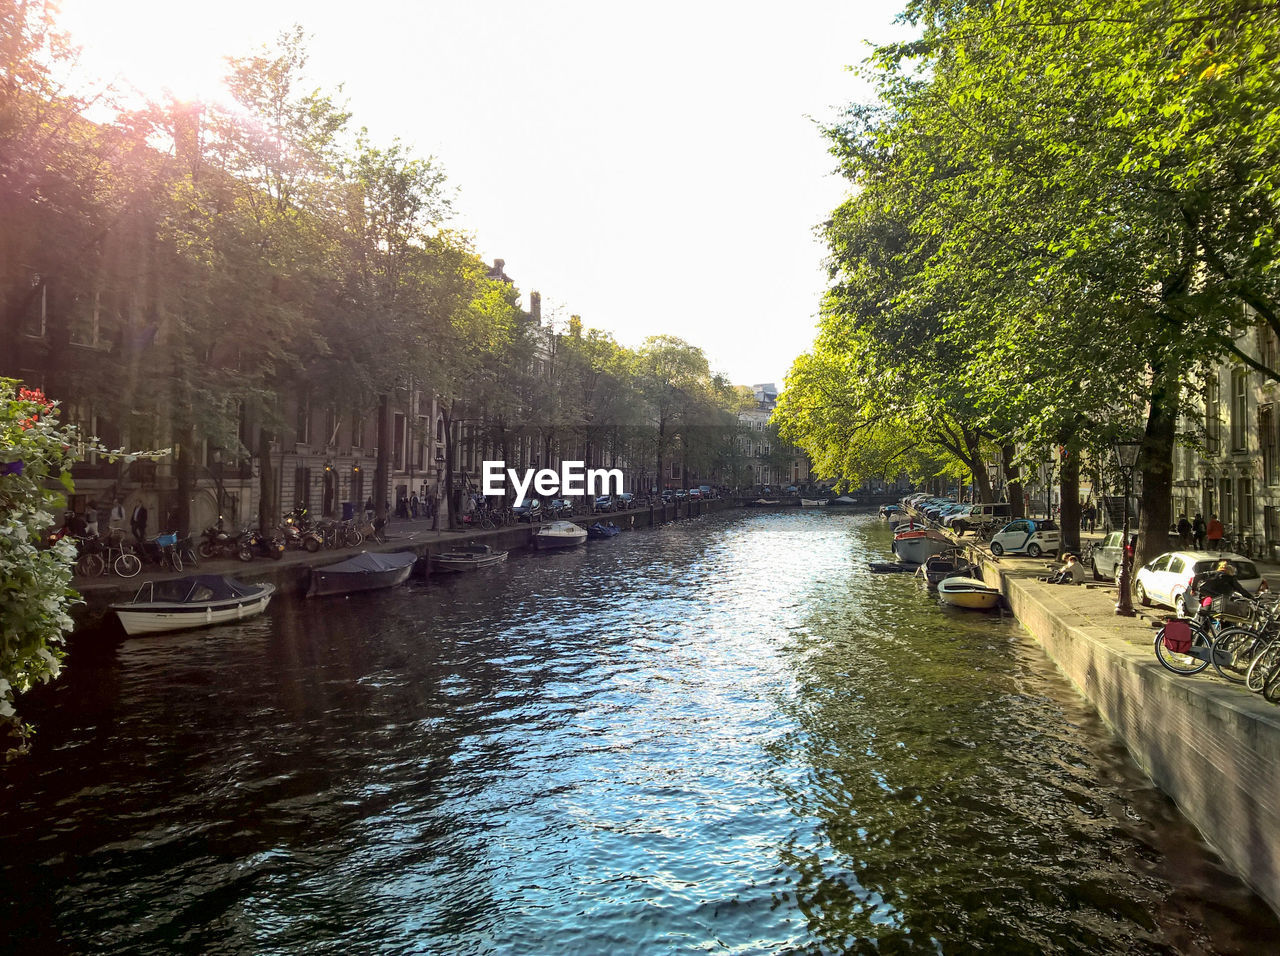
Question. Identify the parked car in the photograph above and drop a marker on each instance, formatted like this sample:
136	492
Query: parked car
1108	555
531	510
604	503
972	516
559	508
1165	579
623	501
1033	536
695	492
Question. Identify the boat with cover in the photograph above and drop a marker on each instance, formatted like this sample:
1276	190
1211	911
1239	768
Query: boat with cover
942	566
918	546
968	593
599	530
365	572
762	503
199	600
843	501
467	557
813	502
559	534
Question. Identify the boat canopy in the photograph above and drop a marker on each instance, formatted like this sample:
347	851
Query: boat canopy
371	562
197	588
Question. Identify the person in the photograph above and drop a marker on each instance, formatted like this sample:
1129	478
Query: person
1198	528
433	509
138	522
1213	533
115	520
1071	573
1184	530
1091	515
1219	582
91	520
413	504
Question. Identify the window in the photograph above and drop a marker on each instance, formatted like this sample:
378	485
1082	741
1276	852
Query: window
1212	415
1228	499
357	430
330	425
303	424
302	486
1239	408
1245	515
1267	437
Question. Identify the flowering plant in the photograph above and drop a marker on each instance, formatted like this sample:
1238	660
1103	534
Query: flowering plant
36	455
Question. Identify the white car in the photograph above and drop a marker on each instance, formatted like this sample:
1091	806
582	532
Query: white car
1165	579
1033	536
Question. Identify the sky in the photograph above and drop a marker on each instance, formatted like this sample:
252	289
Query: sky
655	168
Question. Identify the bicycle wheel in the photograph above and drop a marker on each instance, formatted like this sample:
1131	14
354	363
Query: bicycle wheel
207	550
1233	650
89	565
127	565
175	559
1264	664
1184	664
354	538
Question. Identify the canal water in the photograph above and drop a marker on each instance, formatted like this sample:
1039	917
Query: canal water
717	736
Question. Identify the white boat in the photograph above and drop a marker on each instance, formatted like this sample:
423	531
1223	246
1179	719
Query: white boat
559	534
917	547
200	600
470	557
968	593
813	502
844	501
365	572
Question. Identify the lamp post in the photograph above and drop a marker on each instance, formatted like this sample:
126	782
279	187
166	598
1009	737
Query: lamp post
1126	460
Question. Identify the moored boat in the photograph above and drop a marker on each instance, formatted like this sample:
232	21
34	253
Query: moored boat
559	534
944	565
368	571
968	593
467	557
918	546
813	502
599	530
199	600
843	501
762	503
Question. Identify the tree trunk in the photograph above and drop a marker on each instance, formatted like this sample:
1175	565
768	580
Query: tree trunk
1070	489
1157	467
1012	482
267	518
186	482
382	467
446	414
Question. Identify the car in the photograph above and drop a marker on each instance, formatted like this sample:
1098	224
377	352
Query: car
559	508
1107	556
695	492
604	503
972	516
1032	536
530	510
623	501
1165	579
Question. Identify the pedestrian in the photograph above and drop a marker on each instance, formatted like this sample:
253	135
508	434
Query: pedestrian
1198	528
91	520
115	519
1184	530
138	522
413	504
1213	534
1093	515
368	508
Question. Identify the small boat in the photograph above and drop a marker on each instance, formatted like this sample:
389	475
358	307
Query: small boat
891	567
199	600
599	530
813	502
367	571
843	501
945	565
467	557
559	534
762	503
968	593
887	511
916	547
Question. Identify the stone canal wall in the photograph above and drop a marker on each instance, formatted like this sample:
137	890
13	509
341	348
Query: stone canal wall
1213	747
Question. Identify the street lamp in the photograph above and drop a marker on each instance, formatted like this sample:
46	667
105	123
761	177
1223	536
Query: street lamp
1126	460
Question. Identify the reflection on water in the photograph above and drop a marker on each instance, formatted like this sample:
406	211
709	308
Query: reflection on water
723	735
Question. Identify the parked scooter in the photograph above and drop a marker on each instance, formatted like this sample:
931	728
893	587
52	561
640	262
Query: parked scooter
255	544
218	543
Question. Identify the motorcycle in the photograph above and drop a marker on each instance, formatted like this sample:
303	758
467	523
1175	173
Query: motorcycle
253	543
299	533
218	543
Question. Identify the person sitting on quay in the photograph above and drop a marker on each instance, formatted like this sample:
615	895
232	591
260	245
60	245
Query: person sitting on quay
1071	573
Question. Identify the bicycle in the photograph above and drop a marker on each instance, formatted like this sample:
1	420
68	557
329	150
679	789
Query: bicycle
1236	647
1263	676
1184	646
